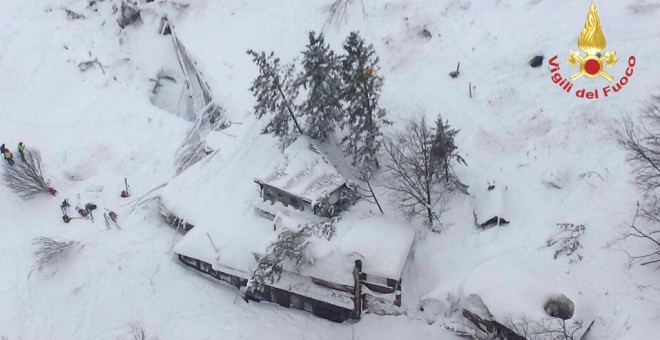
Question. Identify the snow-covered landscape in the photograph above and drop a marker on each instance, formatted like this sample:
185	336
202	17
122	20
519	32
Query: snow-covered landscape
207	197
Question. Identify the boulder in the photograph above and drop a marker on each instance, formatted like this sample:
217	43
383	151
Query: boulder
559	306
537	61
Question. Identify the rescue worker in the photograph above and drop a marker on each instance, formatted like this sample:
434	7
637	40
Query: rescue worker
9	157
65	206
21	150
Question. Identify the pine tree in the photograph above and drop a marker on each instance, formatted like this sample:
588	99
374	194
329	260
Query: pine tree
276	88
361	91
321	75
444	151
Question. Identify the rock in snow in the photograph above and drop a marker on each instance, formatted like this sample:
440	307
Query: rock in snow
537	61
559	306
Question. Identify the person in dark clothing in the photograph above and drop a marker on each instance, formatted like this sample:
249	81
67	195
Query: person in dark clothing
89	207
21	150
65	206
2	149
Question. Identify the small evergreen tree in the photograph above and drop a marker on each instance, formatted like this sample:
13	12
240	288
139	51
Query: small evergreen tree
322	108
276	88
361	91
290	245
444	151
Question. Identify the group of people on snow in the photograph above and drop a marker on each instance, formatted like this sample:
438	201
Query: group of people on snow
9	157
87	212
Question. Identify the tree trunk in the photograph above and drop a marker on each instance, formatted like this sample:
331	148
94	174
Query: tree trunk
373	194
289	108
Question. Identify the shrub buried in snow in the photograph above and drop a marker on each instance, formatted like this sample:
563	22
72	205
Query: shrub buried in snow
50	251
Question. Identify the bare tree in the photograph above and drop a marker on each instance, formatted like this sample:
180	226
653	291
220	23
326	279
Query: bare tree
138	332
25	177
338	11
546	328
566	241
642	142
414	176
650	235
50	251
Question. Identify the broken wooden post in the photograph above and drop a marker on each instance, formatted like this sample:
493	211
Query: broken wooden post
491	327
357	290
125	193
455	74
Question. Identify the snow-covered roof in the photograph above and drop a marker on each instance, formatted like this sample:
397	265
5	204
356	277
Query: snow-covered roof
303	171
381	244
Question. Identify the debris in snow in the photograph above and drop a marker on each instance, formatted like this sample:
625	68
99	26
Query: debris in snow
476	304
73	15
173	220
643	7
107	221
86	65
537	61
51	251
491	327
165	26
128	15
493	222
425	33
381	306
551	185
160	76
455	74
559	306
566	241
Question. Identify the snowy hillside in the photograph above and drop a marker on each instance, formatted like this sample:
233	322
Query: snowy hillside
549	155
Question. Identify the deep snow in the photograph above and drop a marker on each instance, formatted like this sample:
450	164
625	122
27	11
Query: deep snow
520	131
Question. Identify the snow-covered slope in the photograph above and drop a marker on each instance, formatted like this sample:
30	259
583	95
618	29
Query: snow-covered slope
519	131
